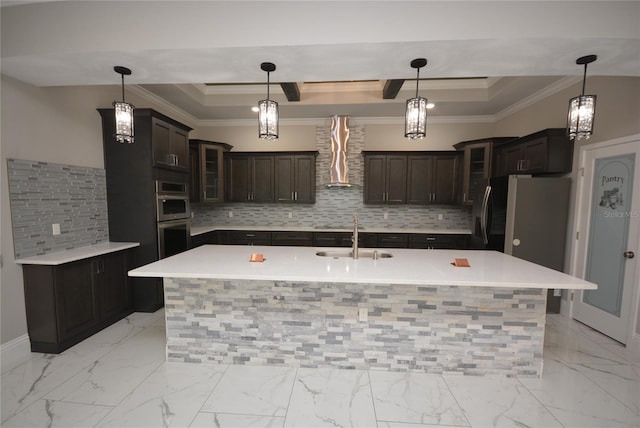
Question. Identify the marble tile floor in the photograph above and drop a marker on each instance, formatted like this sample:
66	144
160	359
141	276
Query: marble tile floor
118	378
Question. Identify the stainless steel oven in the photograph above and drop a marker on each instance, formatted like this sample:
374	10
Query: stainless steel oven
174	237
173	217
172	201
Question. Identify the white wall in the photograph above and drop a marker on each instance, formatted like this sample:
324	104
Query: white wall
59	125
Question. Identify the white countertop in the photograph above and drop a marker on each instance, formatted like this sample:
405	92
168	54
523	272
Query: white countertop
198	230
72	255
407	266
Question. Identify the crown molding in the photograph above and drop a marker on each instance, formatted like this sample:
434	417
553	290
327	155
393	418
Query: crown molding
552	89
173	111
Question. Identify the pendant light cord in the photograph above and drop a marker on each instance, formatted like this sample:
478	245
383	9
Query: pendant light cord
268	73
122	76
584	79
418	80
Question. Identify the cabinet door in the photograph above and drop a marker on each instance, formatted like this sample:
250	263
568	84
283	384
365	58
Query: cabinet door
305	179
113	284
160	141
262	187
76	298
476	169
194	174
512	157
179	146
396	177
445	179
374	179
211	180
238	173
285	178
419	179
535	155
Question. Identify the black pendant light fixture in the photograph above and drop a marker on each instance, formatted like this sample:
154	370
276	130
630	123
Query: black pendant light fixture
124	112
415	120
268	110
582	109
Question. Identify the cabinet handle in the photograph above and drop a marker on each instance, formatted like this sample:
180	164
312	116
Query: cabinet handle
464	197
431	239
296	196
250	235
293	198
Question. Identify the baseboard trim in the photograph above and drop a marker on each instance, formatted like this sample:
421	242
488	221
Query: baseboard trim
634	347
15	352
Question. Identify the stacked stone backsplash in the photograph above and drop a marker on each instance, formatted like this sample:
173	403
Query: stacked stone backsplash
334	206
43	194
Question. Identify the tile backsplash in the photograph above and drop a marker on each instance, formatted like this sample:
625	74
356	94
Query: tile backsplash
334	206
43	194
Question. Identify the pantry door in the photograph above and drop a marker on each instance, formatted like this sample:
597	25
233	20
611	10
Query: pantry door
608	217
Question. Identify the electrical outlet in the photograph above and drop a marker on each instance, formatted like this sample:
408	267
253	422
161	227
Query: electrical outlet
557	292
290	214
230	214
440	217
56	228
363	314
386	216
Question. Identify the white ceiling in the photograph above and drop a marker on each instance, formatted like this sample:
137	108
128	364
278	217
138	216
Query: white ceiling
514	50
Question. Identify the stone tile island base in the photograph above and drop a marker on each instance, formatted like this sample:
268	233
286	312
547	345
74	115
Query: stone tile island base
434	329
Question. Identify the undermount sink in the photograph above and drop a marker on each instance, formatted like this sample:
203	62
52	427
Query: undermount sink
349	254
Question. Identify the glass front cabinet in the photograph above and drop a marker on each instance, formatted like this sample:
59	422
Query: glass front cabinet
207	175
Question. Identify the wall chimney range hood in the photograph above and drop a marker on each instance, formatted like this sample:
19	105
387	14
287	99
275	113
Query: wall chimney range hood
339	169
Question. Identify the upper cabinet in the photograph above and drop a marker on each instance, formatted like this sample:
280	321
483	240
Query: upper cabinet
295	177
271	177
207	172
477	164
545	152
385	178
433	178
250	177
170	144
411	177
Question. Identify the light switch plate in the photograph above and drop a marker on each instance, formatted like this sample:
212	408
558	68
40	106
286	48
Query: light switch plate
363	314
55	228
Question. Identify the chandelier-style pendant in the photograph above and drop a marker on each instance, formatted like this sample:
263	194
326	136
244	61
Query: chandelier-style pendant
415	120
268	110
124	113
582	109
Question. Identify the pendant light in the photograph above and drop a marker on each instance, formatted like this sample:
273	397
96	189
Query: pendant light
582	108
124	112
415	120
268	110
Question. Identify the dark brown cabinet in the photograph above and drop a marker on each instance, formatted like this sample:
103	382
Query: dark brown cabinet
432	179
393	240
240	237
438	241
131	173
292	238
477	165
170	145
385	178
207	172
67	303
207	238
295	175
545	152
250	177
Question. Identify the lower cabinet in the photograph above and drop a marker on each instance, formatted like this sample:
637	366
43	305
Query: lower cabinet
67	303
438	241
293	239
207	238
238	237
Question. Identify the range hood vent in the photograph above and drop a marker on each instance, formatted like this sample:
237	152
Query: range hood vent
339	169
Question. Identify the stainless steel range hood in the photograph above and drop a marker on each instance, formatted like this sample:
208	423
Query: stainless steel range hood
339	169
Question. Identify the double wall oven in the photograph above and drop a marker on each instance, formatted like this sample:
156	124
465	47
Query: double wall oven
173	218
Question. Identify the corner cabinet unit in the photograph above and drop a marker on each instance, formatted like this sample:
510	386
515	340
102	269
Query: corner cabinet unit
477	164
295	177
131	174
206	182
69	302
545	152
420	178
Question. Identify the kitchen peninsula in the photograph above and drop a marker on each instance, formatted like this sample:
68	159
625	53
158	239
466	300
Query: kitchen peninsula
412	311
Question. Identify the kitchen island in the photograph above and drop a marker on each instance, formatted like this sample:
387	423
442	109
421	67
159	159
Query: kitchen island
412	311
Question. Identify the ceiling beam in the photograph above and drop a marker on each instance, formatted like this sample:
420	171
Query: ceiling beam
291	90
391	88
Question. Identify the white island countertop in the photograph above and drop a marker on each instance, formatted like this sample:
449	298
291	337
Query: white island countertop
199	230
407	266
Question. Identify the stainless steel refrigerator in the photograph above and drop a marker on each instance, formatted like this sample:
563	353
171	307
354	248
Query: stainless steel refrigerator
526	217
